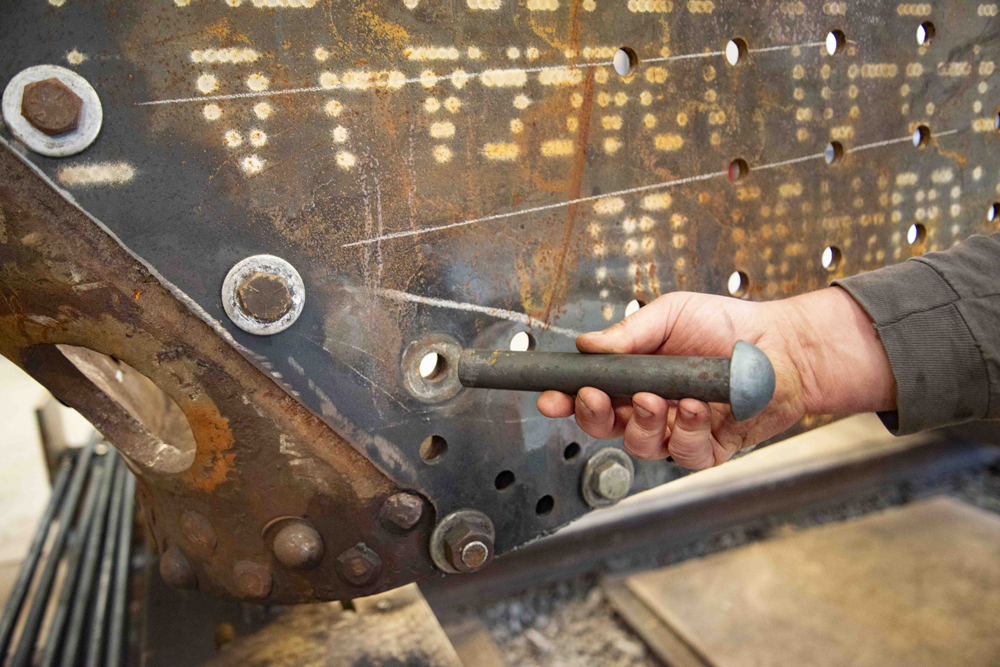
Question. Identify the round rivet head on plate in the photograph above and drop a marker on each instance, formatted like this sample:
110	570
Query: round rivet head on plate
359	565
176	570
253	580
199	533
298	546
401	512
263	294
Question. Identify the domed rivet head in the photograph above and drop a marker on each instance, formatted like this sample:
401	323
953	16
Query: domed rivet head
298	546
176	570
199	533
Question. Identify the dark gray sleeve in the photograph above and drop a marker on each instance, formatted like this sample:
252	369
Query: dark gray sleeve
938	316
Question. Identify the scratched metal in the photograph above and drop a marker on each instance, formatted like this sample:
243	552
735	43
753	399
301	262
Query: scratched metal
515	181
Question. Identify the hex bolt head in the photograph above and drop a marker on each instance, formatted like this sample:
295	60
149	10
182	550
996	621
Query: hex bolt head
199	533
298	546
359	565
401	512
176	570
51	107
264	296
468	547
253	580
612	480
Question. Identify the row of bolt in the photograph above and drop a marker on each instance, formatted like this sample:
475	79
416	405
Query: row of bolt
296	546
464	540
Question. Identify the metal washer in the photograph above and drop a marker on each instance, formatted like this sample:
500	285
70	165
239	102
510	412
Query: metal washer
61	145
262	264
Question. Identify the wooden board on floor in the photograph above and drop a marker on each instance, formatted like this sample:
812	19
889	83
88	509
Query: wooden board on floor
916	585
474	644
658	636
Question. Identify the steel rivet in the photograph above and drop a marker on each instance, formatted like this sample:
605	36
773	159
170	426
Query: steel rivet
176	570
199	533
298	546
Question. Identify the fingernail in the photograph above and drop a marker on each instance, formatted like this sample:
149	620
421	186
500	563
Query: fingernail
642	412
686	413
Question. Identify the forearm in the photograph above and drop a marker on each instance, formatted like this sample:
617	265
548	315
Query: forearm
838	354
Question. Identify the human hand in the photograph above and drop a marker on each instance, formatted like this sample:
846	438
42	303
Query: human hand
825	353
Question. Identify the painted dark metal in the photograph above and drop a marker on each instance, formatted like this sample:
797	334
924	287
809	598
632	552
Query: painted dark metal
556	240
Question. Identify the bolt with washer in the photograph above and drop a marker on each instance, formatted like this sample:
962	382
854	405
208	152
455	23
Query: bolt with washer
468	547
612	480
51	107
263	294
607	477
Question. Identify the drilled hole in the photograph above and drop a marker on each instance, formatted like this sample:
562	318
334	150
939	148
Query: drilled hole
834	152
504	480
544	505
625	59
921	136
925	33
633	307
522	341
836	40
916	234
571	452
831	258
736	49
738	169
433	448
433	366
993	212
738	283
163	438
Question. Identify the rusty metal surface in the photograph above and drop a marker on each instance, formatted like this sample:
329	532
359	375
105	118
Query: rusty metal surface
260	454
445	174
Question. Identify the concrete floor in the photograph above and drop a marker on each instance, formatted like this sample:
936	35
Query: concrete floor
24	482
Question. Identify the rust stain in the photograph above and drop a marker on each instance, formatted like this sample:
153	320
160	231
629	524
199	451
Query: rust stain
214	457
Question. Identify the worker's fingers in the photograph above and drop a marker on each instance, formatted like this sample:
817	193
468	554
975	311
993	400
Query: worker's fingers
555	404
647	430
642	332
596	415
691	443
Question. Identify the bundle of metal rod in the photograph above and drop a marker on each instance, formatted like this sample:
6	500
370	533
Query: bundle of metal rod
85	536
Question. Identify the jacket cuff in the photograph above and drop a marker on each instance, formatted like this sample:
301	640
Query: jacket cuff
940	374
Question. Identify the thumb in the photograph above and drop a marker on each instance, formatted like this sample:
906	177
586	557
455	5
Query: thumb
642	332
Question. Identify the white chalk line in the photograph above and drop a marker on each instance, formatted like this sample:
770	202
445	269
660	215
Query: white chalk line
617	193
499	313
464	75
536	209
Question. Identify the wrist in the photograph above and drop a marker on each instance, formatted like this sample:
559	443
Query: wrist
837	351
